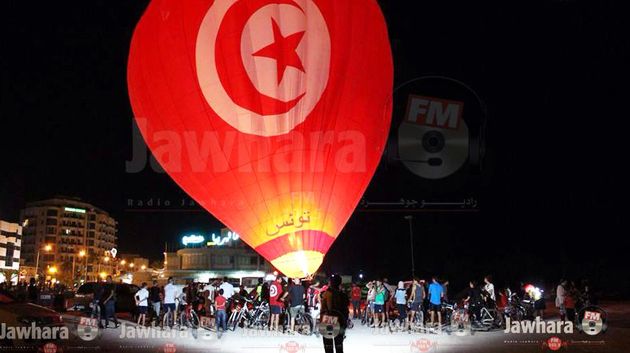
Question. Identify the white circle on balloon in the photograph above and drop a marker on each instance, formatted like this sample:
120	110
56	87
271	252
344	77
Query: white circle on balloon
314	51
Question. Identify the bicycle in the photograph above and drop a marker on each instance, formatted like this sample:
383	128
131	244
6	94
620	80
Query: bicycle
490	318
260	316
188	318
303	323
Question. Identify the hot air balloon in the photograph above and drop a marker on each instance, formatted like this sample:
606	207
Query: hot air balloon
271	114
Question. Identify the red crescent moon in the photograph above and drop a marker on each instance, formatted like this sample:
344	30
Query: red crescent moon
228	47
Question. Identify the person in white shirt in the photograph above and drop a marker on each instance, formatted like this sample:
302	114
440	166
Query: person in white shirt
142	302
169	298
228	288
228	292
488	289
561	294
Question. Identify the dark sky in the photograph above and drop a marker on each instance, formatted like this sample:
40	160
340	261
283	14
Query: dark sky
551	74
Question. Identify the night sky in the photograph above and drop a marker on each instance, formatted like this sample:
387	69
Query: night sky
550	73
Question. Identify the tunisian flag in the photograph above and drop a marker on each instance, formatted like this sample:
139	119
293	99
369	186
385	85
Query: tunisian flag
271	114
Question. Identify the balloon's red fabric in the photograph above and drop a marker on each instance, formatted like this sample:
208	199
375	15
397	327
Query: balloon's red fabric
271	114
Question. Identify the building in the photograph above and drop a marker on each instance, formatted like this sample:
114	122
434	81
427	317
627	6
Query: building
10	249
133	268
204	259
63	236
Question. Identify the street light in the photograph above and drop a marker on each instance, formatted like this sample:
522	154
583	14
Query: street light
52	270
131	265
83	253
123	262
413	266
46	248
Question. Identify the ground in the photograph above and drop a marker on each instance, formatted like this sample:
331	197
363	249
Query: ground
360	339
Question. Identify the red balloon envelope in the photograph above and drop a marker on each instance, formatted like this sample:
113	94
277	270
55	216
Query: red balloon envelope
271	114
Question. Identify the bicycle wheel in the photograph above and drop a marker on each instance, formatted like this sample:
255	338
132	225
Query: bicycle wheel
304	324
235	321
263	320
194	320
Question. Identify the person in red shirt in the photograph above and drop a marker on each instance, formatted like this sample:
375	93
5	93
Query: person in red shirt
355	296
221	316
275	290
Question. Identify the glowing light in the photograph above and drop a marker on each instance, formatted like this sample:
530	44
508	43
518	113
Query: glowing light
52	270
103	275
123	262
143	267
219	241
81	253
75	210
131	265
193	239
106	259
48	247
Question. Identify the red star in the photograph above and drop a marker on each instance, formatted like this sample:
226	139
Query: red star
283	50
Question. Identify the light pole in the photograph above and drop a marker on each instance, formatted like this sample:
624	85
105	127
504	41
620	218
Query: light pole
47	248
83	254
413	265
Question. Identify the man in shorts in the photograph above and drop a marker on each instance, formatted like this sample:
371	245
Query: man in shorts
296	300
436	293
169	300
275	290
379	303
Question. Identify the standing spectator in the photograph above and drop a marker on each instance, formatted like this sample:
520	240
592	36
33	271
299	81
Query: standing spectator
275	289
371	295
569	302
228	292
33	291
335	303
242	292
296	300
96	301
221	316
356	300
313	300
436	293
169	300
379	303
389	298
257	293
109	302
416	298
228	288
445	289
401	303
142	302
561	292
155	297
264	292
474	300
489	292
